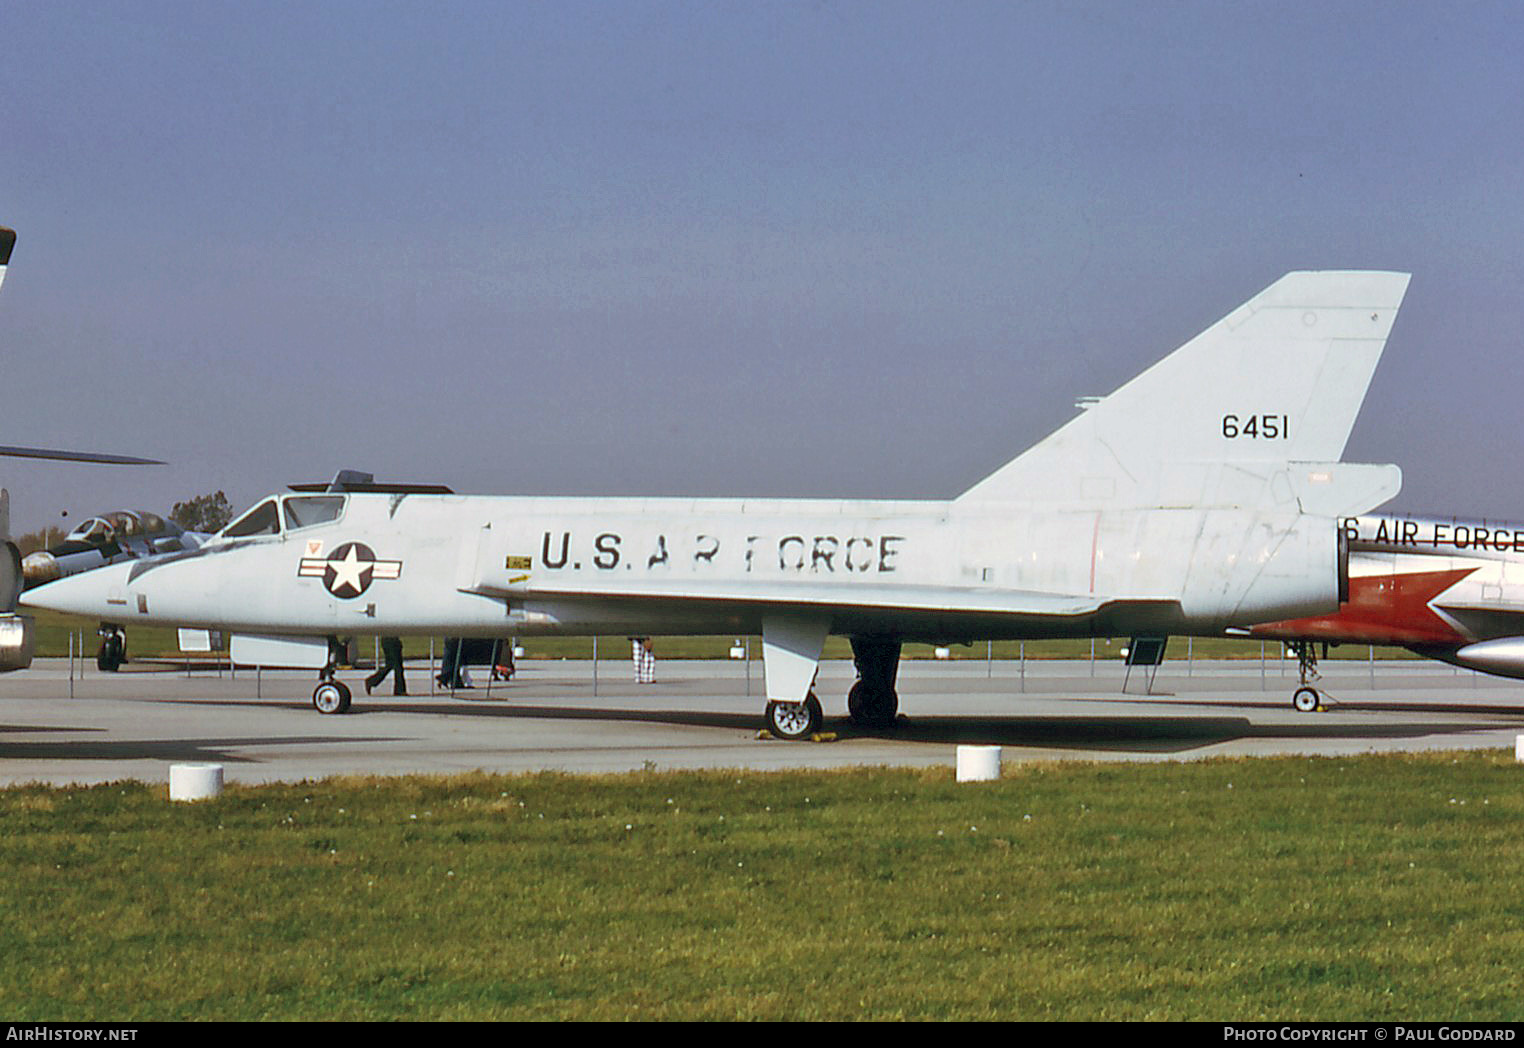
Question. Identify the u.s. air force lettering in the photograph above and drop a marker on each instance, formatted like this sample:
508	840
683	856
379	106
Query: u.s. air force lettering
349	570
819	554
1401	534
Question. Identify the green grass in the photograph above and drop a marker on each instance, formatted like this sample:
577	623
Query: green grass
1374	888
53	631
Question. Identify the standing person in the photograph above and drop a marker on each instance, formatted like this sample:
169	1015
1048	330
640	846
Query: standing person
644	657
391	660
451	667
503	668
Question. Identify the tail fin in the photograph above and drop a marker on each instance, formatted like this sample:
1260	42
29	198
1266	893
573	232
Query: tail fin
1220	420
7	242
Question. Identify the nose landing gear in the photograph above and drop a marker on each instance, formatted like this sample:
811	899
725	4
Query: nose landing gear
332	695
113	649
1306	698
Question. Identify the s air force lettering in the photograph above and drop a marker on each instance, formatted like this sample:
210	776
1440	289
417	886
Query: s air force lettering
1399	534
816	554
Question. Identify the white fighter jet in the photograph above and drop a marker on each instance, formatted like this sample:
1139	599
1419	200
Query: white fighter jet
1202	495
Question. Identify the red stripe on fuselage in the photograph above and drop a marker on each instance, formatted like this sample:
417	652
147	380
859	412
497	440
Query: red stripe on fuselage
1382	609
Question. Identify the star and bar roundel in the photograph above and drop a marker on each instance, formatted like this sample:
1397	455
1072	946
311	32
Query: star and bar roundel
349	570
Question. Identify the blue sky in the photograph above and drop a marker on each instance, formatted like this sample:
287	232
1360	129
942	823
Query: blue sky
867	249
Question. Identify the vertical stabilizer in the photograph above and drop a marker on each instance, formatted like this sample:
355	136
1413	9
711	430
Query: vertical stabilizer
1217	422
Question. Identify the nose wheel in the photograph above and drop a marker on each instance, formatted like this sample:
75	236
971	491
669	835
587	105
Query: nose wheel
113	650
1306	700
331	696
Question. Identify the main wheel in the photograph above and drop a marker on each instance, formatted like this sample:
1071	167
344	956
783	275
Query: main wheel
1306	700
331	696
794	720
872	707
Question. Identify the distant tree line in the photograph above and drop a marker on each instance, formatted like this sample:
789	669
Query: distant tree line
203	513
42	538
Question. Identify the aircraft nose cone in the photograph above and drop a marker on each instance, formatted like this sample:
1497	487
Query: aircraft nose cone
86	594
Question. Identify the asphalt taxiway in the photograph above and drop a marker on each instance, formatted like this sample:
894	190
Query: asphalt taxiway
556	716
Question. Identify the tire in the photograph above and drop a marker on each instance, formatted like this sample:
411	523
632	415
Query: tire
1306	700
794	720
331	697
113	652
872	709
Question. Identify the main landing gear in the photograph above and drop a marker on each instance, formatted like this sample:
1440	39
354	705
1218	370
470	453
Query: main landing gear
873	702
791	647
1306	698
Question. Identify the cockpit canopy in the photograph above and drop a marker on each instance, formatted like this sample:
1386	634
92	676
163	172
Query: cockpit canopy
122	524
286	512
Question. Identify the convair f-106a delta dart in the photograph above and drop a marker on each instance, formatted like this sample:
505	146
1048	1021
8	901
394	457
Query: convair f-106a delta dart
1203	495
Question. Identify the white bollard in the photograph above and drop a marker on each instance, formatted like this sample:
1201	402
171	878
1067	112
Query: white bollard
194	782
978	763
1518	748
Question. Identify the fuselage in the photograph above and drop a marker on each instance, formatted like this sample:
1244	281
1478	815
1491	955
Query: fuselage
933	570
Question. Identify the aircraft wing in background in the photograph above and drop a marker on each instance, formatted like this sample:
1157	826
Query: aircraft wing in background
76	456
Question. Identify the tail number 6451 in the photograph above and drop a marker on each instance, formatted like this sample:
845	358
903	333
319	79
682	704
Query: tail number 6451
1262	427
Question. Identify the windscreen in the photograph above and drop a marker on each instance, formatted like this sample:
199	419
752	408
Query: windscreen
261	520
304	511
